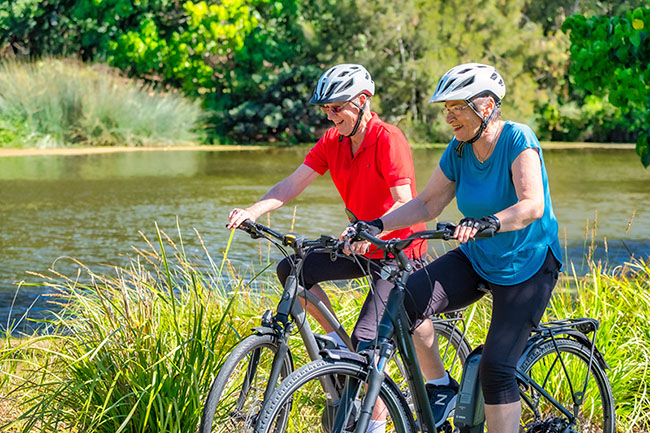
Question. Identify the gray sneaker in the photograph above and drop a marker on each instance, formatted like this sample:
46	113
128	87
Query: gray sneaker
442	399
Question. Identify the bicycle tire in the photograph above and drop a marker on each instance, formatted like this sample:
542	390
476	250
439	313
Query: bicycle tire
595	414
220	412
302	392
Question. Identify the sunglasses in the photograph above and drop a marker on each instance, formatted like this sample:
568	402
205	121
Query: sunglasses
333	108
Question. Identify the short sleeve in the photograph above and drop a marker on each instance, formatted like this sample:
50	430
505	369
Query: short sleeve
395	160
316	159
448	164
523	138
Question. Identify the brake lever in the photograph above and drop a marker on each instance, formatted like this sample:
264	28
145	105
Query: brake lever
250	228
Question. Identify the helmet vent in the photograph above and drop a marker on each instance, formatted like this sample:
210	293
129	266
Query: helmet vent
330	89
449	83
347	85
466	83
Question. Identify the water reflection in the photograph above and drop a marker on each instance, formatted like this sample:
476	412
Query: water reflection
92	207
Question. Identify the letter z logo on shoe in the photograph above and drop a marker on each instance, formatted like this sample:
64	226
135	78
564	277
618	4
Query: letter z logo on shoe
441	400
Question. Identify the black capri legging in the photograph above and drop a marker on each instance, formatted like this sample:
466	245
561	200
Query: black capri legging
318	267
450	282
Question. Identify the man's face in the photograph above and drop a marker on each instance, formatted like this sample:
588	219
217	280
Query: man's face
344	114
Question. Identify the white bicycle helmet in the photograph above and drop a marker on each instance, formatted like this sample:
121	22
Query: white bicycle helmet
463	82
342	83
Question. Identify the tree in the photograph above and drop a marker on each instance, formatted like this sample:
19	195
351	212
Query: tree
610	56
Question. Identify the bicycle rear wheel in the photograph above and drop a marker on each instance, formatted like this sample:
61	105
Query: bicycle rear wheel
565	374
312	412
237	393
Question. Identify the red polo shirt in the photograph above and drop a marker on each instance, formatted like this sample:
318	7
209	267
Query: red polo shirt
364	180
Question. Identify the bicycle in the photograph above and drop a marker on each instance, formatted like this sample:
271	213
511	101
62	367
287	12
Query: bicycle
552	399
253	369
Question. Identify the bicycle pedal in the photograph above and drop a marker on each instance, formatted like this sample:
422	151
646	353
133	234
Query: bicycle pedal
446	427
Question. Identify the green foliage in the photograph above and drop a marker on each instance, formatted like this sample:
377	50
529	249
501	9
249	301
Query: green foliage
415	43
238	56
59	103
594	120
610	56
620	300
281	113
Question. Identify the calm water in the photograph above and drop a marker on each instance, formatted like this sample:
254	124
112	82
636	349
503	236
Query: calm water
92	207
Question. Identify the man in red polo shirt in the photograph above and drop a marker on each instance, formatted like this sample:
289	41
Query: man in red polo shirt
371	165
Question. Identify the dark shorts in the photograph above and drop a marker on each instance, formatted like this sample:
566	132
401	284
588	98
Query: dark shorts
318	267
450	282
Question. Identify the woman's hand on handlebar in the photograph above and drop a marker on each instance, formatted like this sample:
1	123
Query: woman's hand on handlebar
468	228
238	216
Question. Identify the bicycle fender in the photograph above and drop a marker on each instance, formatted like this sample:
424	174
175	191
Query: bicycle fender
264	330
537	341
587	342
339	354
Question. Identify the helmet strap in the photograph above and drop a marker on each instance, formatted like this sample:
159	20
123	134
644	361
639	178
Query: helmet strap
362	109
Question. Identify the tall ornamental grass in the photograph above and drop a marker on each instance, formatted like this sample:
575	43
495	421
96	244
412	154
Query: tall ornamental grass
55	102
135	349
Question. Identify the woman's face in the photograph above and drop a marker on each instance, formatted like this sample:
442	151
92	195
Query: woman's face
462	118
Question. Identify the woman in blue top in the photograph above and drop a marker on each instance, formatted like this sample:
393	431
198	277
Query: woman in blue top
495	170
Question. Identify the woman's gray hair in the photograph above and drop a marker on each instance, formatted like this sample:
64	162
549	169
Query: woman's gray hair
481	101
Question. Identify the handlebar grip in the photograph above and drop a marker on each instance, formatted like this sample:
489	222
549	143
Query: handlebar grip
487	233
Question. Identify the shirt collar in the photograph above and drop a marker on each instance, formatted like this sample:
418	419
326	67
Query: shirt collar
370	139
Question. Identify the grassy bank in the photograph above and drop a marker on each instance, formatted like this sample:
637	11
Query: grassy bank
59	103
135	349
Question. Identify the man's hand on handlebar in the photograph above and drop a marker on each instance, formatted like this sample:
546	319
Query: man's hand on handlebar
373	228
238	216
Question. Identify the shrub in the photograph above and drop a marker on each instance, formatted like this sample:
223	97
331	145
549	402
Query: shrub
64	102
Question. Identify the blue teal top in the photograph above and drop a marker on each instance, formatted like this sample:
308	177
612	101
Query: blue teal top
484	189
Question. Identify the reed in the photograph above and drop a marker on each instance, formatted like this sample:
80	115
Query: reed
135	349
62	102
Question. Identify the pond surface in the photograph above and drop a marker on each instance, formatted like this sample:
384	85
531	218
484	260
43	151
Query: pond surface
93	207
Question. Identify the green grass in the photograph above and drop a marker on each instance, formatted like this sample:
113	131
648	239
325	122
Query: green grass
135	349
54	102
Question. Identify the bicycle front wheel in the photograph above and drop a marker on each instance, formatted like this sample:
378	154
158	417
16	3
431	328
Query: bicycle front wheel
564	371
312	411
237	393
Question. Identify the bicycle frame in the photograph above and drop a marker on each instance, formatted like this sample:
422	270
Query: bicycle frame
394	325
393	331
281	326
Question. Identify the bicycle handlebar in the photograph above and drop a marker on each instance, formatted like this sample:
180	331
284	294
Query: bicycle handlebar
444	231
297	242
